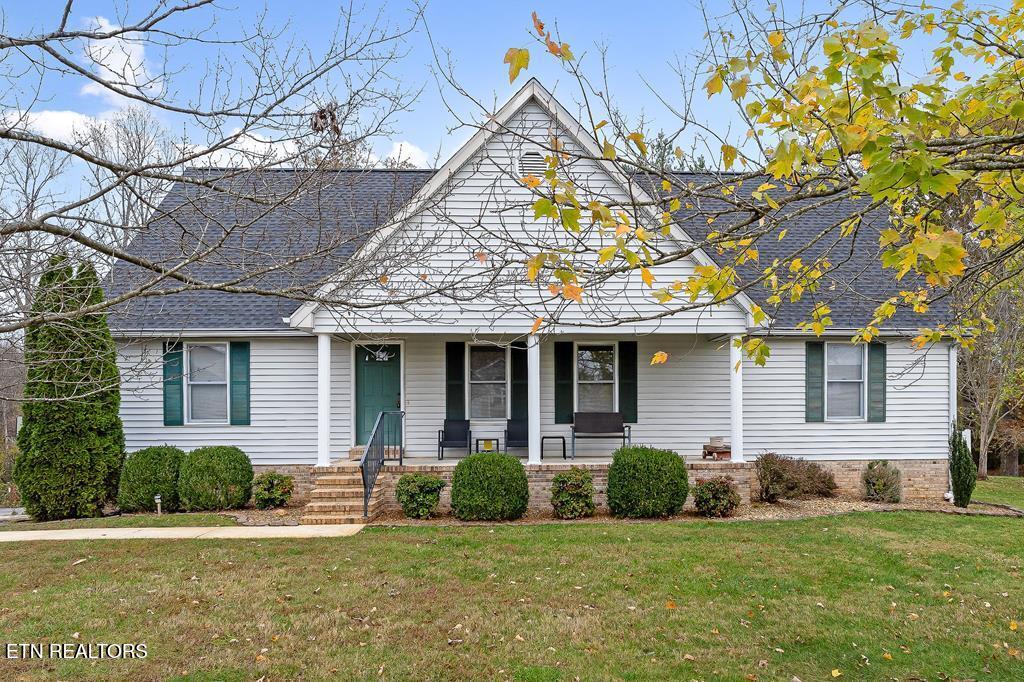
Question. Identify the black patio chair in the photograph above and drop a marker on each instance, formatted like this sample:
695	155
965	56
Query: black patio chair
455	434
517	434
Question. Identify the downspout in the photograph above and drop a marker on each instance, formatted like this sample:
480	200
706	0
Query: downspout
952	415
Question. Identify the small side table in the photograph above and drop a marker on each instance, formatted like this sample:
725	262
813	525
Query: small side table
558	438
717	452
495	440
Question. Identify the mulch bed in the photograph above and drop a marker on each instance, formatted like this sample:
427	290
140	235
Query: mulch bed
285	516
785	510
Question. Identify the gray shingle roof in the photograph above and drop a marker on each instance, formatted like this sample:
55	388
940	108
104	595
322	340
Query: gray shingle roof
331	214
296	244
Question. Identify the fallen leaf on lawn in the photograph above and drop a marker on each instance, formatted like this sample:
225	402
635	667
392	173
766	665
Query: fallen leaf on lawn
670	604
519	638
836	673
1013	625
763	663
913	616
714	631
689	657
75	635
887	656
260	658
80	561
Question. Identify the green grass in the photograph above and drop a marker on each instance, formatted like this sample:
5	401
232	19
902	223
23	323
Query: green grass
1002	489
645	601
126	521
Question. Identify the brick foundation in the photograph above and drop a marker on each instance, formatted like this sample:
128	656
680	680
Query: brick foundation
921	478
302	473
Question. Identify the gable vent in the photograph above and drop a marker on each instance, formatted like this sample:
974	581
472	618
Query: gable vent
532	162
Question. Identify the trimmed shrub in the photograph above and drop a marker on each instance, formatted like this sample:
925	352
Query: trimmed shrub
271	489
963	473
215	477
8	491
489	486
646	482
71	441
572	494
781	477
716	496
149	472
419	494
882	482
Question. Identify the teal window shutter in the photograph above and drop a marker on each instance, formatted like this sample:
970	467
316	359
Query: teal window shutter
239	361
876	382
455	379
628	381
520	382
564	400
814	381
174	388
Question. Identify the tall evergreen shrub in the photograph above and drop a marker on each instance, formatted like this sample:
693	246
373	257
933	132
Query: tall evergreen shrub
963	473
71	441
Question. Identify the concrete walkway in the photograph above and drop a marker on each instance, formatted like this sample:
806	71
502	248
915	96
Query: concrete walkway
185	533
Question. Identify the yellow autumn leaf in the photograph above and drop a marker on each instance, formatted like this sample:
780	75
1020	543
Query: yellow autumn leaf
517	59
775	38
383	279
1013	625
728	155
647	277
670	604
536	325
573	293
531	181
638	140
714	84
887	656
659	358
608	151
836	673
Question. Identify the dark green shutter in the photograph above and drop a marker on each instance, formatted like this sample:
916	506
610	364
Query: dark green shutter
876	382
627	381
814	381
564	362
520	382
455	379
239	359
174	397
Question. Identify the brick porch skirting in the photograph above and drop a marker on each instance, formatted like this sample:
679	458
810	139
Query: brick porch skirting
921	478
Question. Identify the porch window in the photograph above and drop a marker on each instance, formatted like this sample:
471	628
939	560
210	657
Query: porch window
845	379
488	382
207	382
595	378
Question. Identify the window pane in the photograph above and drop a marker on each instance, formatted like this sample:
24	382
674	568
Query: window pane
595	398
207	363
596	363
844	398
487	401
486	364
845	361
208	402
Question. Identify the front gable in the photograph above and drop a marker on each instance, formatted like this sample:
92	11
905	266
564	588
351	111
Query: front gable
471	229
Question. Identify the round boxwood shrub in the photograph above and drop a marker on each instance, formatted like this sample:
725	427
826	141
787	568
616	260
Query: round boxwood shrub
271	489
147	473
419	494
572	494
489	486
215	477
646	482
716	496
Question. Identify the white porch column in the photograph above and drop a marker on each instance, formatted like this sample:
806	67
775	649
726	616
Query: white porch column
323	400
736	398
533	397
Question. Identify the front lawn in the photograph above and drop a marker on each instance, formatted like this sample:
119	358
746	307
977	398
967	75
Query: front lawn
1002	489
126	521
871	596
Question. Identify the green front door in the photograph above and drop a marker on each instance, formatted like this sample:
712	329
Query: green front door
378	386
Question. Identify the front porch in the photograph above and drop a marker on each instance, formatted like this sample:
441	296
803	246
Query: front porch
489	380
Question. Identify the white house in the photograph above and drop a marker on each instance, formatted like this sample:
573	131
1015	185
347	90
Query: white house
301	385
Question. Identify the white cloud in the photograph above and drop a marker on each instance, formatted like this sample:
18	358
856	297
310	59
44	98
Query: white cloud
407	151
53	123
119	61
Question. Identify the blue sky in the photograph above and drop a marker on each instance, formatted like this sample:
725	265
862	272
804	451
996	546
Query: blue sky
640	37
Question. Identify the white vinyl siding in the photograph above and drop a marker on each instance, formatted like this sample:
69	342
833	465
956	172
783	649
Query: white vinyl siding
917	408
282	395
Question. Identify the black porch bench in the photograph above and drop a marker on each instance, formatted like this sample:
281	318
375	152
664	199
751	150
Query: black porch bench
588	425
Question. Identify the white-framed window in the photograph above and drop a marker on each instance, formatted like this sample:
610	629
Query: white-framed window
845	381
206	383
596	377
488	387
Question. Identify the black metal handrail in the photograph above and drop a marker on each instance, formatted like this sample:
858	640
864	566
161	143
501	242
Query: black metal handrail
384	441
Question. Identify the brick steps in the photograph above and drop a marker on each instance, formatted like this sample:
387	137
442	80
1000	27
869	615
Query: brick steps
337	496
